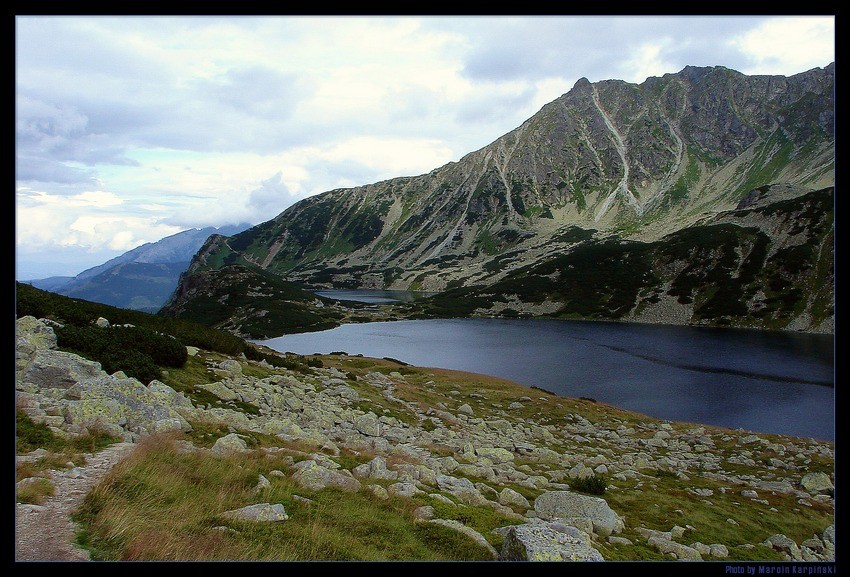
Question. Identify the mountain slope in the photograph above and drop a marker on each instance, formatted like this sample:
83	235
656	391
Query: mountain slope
142	278
629	161
768	263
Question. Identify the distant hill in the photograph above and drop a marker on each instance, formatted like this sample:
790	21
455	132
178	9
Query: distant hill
52	283
140	279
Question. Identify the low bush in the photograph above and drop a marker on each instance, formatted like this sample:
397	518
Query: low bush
594	485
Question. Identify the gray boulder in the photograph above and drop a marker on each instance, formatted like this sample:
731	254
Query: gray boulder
374	469
816	483
368	424
114	402
682	552
544	543
220	390
564	505
261	512
462	488
784	544
404	490
49	369
510	497
311	475
229	445
31	335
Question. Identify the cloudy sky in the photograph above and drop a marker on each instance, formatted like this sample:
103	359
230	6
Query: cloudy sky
130	129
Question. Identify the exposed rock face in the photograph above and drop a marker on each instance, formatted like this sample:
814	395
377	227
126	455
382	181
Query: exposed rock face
86	396
564	505
543	543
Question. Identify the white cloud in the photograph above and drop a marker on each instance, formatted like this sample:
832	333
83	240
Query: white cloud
788	45
133	127
647	60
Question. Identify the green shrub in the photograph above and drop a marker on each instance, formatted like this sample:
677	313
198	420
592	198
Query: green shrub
30	435
594	485
134	350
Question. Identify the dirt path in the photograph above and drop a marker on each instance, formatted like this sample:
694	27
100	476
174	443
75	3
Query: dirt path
45	532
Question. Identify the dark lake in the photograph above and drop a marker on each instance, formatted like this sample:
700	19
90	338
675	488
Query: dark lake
762	381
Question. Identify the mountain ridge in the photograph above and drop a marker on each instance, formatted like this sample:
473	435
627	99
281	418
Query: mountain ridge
141	278
636	161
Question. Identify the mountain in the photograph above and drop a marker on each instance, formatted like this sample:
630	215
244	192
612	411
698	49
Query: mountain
142	278
766	264
610	161
52	283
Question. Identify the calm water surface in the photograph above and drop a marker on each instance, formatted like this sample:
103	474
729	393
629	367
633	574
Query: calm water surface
767	382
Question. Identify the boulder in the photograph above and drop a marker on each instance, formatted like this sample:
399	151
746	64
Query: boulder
682	552
532	542
221	391
259	513
462	488
424	512
343	391
511	498
229	445
816	483
231	367
311	475
785	544
368	424
560	505
465	409
495	454
31	335
374	469
50	369
404	490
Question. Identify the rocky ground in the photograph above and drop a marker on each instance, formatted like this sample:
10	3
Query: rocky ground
674	490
